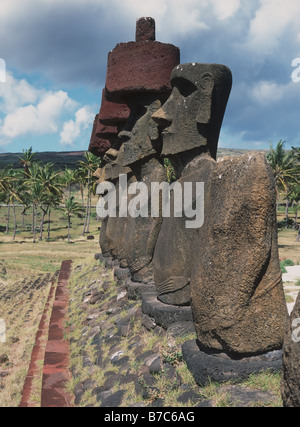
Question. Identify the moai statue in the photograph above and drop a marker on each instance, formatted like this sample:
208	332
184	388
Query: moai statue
139	72
228	267
104	143
191	119
238	300
107	124
290	386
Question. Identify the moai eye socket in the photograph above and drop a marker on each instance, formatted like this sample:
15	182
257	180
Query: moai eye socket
185	87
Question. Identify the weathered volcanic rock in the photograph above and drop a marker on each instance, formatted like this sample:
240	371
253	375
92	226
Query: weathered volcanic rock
238	301
149	67
220	368
290	389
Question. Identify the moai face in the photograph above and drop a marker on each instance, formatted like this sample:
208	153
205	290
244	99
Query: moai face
193	114
107	124
141	137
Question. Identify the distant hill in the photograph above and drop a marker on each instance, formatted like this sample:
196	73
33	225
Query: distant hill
223	152
70	158
60	159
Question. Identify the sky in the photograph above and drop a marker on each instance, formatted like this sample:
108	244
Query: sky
53	58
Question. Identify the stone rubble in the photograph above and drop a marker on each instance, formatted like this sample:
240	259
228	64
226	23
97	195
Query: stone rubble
109	324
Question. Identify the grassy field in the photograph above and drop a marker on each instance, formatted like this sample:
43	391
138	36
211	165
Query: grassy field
59	159
26	269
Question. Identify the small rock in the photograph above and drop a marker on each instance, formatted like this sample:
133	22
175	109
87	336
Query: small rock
142	357
106	285
101	396
148	322
113	400
156	366
4	358
121	295
158	403
120	361
191	396
96	296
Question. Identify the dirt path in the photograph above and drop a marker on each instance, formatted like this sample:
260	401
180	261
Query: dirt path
55	354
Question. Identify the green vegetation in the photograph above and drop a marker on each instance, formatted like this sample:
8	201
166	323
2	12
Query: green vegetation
39	188
286	169
287	263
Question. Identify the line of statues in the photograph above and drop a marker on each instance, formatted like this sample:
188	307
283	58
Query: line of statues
154	108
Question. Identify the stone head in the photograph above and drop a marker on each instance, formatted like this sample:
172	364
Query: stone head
139	72
107	124
193	114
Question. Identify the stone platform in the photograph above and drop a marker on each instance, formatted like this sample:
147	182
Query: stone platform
220	368
164	315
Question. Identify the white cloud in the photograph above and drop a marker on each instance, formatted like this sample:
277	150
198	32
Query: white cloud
42	118
270	21
73	128
225	9
27	110
270	93
175	17
265	92
16	93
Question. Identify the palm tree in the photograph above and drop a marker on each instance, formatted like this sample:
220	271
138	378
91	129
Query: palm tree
69	178
45	186
87	168
71	208
10	185
16	194
53	202
27	159
296	152
285	169
50	179
30	180
80	179
36	193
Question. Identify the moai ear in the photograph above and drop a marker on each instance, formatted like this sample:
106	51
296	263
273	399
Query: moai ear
206	88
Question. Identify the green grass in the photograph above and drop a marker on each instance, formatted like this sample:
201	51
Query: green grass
287	263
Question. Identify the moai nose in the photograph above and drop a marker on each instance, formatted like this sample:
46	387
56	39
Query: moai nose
161	118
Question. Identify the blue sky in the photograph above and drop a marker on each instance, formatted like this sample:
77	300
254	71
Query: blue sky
56	55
